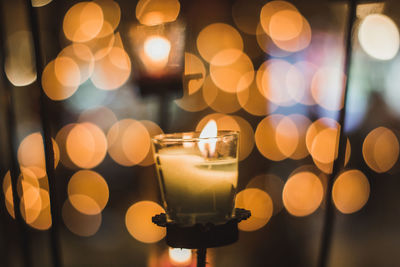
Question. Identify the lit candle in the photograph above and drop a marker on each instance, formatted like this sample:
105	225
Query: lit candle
156	51
198	175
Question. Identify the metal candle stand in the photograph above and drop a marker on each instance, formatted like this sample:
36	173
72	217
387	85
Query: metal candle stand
202	236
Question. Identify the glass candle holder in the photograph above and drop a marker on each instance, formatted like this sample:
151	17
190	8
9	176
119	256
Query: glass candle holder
198	176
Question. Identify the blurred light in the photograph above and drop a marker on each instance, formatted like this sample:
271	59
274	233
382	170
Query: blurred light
217	99
112	16
78	223
88	192
285	25
153	130
260	205
139	224
128	142
192	103
251	100
271	184
53	88
327	88
379	36
350	191
86	145
267	45
74	55
381	149
111	70
43	220
209	40
298	43
231	75
277	137
61	139
272	81
101	116
180	256
369	8
298	80
40	3
153	12
67	71
83	21
194	65
19	63
302	194
31	154
156	50
270	9
302	123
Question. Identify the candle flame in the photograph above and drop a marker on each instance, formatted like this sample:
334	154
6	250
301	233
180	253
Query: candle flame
210	131
157	48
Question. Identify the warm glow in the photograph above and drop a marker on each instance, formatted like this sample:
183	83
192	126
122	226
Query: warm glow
112	70
381	149
79	223
260	205
231	75
270	9
302	194
74	55
350	191
180	256
88	192
53	88
157	48
379	36
194	65
208	136
128	142
42	221
139	224
272	185
285	25
153	130
112	16
83	21
19	64
286	136
40	3
31	154
67	71
154	12
217	37
86	145
219	100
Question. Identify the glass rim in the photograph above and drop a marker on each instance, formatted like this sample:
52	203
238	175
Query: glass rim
180	137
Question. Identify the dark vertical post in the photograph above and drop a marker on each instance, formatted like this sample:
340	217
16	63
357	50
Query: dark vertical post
338	164
12	146
48	146
201	257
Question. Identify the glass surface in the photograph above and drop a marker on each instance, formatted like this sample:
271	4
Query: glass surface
198	180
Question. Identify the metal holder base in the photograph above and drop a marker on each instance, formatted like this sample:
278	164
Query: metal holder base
200	235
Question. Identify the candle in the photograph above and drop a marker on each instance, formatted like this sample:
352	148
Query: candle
198	177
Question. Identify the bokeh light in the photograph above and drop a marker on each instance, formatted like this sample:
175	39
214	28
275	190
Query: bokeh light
153	12
86	145
31	154
350	191
153	130
43	220
379	36
180	256
217	37
231	75
83	21
285	25
88	192
128	142
74	56
53	88
112	68
19	64
112	16
260	205
302	194
139	224
327	88
270	9
380	149
79	223
40	3
101	116
194	65
272	185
